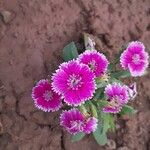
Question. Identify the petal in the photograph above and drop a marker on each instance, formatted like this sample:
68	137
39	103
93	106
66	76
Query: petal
90	125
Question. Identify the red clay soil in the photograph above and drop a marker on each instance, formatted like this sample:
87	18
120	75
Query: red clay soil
32	35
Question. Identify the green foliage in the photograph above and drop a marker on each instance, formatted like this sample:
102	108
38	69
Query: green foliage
106	122
99	135
77	137
121	74
102	103
93	109
112	80
70	52
98	94
111	67
102	84
112	123
127	110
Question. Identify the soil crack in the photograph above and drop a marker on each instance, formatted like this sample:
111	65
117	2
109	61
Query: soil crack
17	97
62	141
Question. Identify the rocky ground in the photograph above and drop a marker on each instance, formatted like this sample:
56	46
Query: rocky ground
32	35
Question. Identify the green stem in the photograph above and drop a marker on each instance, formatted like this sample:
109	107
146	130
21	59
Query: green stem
93	109
83	109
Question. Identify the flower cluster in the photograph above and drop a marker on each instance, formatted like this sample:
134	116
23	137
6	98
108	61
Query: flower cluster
77	83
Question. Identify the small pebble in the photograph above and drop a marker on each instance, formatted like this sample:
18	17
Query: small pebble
1	129
123	148
111	144
6	15
117	126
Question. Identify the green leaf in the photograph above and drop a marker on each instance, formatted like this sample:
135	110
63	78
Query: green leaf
98	94
106	122
78	137
112	123
70	52
100	137
121	74
102	84
102	103
112	80
127	110
93	109
110	67
83	109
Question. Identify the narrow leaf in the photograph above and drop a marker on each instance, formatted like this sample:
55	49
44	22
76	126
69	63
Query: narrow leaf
127	110
98	94
106	122
112	80
70	52
77	137
110	67
93	109
101	84
112	123
121	74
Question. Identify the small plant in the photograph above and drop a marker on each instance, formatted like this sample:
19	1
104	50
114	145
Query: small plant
91	87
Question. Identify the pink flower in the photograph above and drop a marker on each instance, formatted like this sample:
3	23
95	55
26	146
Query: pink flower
95	60
75	82
117	97
44	98
74	122
90	125
135	58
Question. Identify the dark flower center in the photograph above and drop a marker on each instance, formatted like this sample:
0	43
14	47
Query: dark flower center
92	65
47	95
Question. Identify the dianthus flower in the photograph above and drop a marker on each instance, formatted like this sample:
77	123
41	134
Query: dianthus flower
97	62
117	97
44	98
74	122
75	82
135	59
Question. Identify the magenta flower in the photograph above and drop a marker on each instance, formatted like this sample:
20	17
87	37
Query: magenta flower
135	58
95	60
74	122
90	125
44	98
117	97
75	82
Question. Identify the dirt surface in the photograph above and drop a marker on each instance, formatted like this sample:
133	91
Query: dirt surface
32	35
